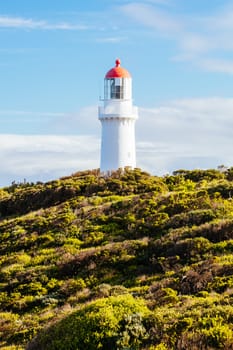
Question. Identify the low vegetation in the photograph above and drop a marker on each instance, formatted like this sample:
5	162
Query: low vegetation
131	261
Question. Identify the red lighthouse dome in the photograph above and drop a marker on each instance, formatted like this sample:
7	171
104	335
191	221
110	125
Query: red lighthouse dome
117	72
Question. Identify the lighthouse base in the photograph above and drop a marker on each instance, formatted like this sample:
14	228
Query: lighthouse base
118	144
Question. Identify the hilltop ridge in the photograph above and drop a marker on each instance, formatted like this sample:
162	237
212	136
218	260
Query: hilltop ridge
131	261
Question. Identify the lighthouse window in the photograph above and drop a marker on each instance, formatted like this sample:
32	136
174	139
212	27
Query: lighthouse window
116	88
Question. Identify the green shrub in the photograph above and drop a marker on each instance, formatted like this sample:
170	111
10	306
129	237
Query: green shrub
218	336
132	332
104	324
72	286
161	346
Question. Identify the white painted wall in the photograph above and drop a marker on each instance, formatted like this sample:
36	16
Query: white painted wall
117	144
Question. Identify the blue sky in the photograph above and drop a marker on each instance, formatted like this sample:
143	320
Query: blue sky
53	58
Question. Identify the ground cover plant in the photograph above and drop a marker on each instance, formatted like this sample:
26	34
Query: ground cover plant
130	261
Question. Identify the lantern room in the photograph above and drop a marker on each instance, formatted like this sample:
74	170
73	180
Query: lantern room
117	83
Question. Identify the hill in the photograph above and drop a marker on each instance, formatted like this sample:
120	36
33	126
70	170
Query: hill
131	261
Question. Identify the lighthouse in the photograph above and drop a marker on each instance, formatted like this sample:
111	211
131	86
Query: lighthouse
117	116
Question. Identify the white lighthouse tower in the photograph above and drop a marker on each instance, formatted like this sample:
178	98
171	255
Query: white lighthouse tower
117	116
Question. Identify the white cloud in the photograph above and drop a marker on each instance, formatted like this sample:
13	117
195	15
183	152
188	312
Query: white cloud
188	133
217	65
151	16
43	157
185	133
111	40
221	20
193	121
83	121
160	2
78	122
9	112
28	23
199	39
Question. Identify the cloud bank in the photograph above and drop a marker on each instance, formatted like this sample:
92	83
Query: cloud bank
45	157
185	133
188	133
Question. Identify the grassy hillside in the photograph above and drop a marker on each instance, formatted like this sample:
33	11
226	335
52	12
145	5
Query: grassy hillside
131	261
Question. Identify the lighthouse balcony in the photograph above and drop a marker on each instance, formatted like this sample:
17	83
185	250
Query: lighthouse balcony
105	113
118	110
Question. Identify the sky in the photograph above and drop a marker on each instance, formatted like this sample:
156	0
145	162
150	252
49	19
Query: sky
54	55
